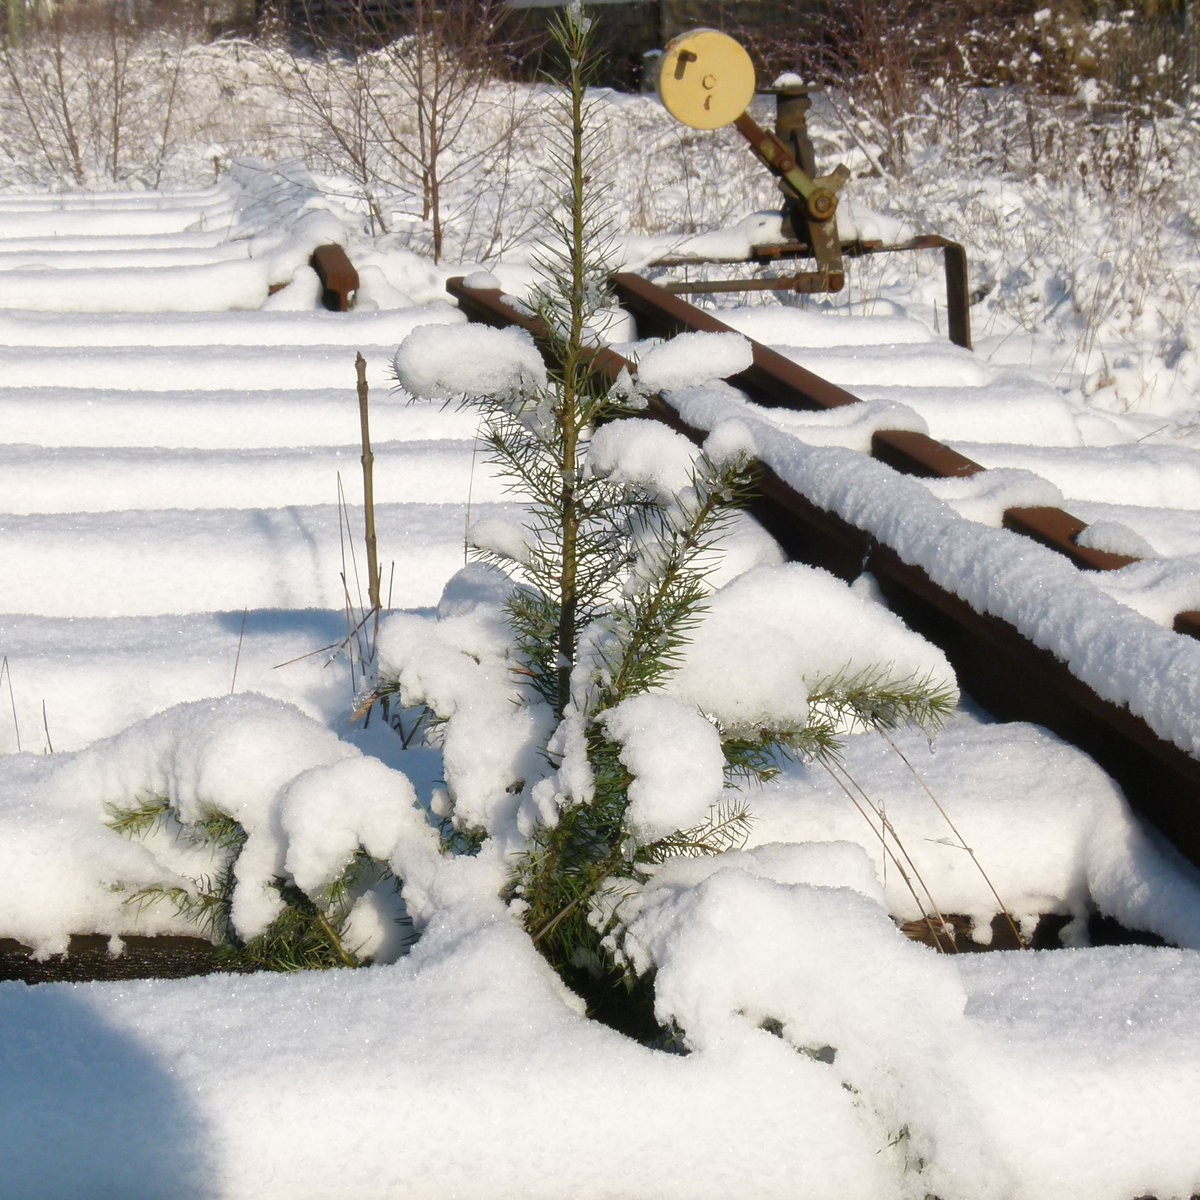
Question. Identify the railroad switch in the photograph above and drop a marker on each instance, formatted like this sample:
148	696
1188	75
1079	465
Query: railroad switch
706	80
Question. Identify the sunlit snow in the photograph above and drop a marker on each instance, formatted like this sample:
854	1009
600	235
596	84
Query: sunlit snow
182	566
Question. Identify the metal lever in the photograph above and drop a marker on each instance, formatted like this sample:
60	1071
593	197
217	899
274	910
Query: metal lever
815	199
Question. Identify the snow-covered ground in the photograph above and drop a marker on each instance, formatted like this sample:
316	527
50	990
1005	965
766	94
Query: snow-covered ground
180	557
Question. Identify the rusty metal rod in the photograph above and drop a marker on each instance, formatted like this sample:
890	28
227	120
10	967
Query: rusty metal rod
954	267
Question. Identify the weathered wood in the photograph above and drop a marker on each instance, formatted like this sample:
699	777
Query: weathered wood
339	279
88	958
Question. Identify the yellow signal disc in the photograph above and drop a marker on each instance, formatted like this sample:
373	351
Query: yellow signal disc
705	79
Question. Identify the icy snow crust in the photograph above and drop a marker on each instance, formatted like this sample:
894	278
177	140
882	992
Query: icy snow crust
166	542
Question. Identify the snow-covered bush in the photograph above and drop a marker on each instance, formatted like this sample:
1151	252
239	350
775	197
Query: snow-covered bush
595	701
240	819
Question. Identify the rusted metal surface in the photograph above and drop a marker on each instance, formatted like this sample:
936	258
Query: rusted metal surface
913	453
995	663
954	267
1047	934
774	380
339	279
1000	668
810	210
803	283
164	957
1187	623
809	221
1057	529
792	106
958	292
487	306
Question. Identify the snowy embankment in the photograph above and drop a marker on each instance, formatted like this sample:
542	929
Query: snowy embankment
169	541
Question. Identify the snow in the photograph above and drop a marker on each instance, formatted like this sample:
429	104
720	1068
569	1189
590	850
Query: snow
731	244
674	755
1147	476
645	453
1122	656
772	635
182	568
691	359
195	1062
445	364
987	496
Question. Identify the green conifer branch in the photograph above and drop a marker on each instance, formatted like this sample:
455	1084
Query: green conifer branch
137	819
308	934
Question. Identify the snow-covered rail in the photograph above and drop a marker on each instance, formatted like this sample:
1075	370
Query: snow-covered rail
1016	608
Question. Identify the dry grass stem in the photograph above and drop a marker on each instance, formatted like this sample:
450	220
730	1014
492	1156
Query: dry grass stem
6	673
936	929
961	840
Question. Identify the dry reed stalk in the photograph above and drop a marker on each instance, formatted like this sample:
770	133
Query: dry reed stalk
237	658
6	670
961	841
368	466
886	827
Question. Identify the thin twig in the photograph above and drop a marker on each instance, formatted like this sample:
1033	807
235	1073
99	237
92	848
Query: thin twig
344	522
933	930
470	493
886	824
351	628
961	840
46	728
310	654
368	466
5	669
336	647
237	658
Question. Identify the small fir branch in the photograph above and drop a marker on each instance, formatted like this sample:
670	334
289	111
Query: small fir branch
205	904
138	819
460	841
656	618
219	830
308	934
868	699
726	828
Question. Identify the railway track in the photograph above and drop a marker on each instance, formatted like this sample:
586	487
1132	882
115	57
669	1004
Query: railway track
1004	656
168	531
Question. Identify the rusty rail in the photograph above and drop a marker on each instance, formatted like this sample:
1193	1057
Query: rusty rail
776	382
995	663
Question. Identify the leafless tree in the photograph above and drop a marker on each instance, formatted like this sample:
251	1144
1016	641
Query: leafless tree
408	103
92	91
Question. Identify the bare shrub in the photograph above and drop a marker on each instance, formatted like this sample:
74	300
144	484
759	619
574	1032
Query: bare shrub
413	105
92	93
